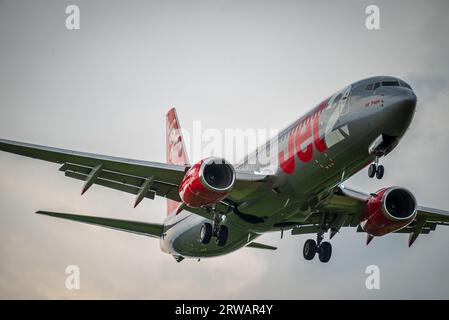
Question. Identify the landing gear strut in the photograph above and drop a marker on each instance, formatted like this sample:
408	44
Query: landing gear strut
216	230
375	169
312	247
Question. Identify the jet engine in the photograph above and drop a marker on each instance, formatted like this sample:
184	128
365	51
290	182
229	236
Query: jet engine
207	182
388	210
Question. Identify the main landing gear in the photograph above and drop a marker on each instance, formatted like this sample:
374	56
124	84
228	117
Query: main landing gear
375	169
312	247
220	234
214	230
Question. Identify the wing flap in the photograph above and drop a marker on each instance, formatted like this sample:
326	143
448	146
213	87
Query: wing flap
147	229
111	184
305	229
258	245
122	182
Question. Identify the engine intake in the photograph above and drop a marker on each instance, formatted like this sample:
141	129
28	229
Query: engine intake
389	210
207	182
400	204
216	174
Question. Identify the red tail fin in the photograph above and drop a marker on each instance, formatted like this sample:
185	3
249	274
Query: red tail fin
176	150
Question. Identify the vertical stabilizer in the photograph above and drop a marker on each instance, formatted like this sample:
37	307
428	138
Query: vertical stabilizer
175	148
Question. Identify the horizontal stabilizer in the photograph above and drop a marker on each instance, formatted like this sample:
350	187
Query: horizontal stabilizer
260	246
147	229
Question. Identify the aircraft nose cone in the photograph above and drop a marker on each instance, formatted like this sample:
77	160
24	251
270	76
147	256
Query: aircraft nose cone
408	102
405	107
399	113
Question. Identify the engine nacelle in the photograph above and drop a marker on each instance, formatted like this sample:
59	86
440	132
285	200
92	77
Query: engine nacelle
207	182
390	209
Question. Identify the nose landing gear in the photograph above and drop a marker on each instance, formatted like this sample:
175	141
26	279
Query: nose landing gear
375	169
312	247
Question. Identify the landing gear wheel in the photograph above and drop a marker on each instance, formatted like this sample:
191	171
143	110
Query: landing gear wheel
222	236
380	172
310	249
325	252
206	233
372	170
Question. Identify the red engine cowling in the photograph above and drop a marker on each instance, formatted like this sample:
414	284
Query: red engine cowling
207	182
390	209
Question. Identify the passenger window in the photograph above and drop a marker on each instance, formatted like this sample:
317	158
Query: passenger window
369	87
377	85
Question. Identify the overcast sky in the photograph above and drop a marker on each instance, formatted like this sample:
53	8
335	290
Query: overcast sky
231	64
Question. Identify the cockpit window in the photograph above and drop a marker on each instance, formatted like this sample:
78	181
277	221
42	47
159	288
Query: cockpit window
376	85
337	98
406	85
369	87
393	83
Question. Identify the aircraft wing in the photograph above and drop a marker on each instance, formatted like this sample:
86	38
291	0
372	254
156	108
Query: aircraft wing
345	206
117	173
142	178
147	229
436	216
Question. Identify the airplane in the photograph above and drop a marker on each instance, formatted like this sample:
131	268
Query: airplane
215	207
